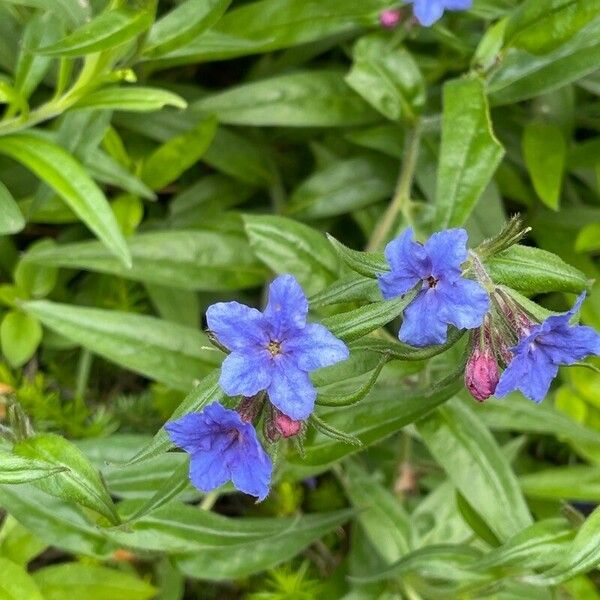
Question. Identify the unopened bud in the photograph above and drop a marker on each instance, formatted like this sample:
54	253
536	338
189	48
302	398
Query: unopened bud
249	407
279	425
390	18
482	374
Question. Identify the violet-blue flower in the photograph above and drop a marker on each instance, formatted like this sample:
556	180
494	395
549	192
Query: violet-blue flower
445	298
274	350
543	349
222	447
428	12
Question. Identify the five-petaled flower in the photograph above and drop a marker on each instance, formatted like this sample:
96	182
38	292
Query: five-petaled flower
543	349
445	298
222	447
274	350
428	12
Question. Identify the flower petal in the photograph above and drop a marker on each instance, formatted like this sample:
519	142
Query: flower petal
252	469
428	12
530	372
236	325
463	302
209	469
568	345
287	307
447	250
291	390
189	432
246	372
458	4
422	325
315	347
407	257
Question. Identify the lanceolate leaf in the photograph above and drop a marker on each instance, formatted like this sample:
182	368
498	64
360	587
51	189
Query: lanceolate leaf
132	99
11	219
16	469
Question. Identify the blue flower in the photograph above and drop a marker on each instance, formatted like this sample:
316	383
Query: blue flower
445	298
274	350
222	447
539	353
428	12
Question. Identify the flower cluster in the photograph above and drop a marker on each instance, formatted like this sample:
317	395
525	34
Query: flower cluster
271	351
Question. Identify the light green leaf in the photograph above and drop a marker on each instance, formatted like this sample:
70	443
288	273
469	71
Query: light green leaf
160	350
106	31
16	583
79	482
16	469
588	239
131	99
11	219
92	582
20	336
545	153
302	99
477	467
469	155
70	181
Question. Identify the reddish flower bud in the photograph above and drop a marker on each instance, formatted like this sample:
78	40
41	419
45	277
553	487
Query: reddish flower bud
390	18
285	426
482	374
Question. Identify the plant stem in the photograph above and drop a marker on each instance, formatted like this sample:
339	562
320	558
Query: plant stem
399	203
83	374
209	500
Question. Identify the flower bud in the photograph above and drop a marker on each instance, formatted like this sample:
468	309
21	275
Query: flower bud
250	407
390	18
482	374
279	425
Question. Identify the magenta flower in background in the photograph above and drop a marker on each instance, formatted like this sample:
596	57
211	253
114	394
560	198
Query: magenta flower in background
445	298
390	18
543	349
427	12
274	350
222	447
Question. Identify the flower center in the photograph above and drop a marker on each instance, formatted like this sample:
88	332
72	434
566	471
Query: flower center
431	281
274	348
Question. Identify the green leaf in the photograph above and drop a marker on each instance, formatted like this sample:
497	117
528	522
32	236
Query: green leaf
36	281
131	98
20	336
588	239
285	542
343	187
70	181
93	582
545	153
160	350
79	482
365	263
579	482
302	99
106	31
177	155
16	583
182	24
582	556
15	469
540	26
476	466
287	246
191	260
534	270
11	219
347	289
469	155
386	76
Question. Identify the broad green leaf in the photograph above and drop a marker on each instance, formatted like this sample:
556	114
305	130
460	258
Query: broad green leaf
352	288
106	31
192	260
70	11
343	187
386	76
302	99
539	26
582	556
131	98
16	583
292	537
477	467
535	270
78	481
36	281
177	305
588	239
93	582
64	174
20	336
364	263
182	24
178	154
11	219
18	543
577	482
16	469
470	152
160	350
545	153
287	246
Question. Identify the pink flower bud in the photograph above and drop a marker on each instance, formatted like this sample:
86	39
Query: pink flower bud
390	18
482	374
285	426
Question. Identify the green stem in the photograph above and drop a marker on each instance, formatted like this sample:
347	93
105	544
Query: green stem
83	374
209	500
400	201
